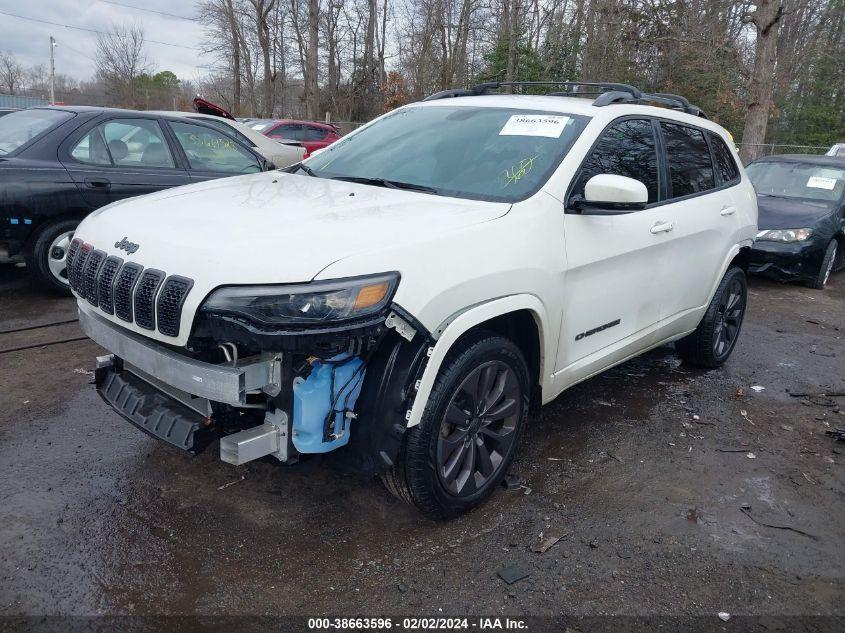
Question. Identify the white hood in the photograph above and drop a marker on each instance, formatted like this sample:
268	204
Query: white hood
269	228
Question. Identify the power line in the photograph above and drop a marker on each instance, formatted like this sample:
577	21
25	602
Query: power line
129	6
78	52
82	28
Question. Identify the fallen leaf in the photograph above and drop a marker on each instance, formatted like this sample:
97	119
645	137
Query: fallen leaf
542	545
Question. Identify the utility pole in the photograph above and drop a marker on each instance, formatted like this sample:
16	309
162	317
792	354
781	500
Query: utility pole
52	70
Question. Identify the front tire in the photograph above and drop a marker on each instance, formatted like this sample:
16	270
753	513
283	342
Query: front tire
47	259
826	268
468	436
712	342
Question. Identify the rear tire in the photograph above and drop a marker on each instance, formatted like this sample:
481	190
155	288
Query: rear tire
714	339
459	453
47	259
828	262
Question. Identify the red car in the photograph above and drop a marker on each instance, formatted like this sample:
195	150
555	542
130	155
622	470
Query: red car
311	134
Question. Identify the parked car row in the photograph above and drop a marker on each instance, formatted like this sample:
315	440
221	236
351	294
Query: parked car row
405	298
58	164
132	153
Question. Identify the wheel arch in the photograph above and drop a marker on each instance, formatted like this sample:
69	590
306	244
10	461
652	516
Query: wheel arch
522	318
738	255
741	259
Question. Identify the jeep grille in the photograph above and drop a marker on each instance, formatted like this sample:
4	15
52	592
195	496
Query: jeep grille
149	298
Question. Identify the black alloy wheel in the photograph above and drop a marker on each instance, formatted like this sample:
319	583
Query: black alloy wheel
454	459
712	342
478	428
729	318
827	266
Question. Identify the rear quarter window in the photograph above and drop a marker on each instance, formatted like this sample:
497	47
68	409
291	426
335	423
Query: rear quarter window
726	167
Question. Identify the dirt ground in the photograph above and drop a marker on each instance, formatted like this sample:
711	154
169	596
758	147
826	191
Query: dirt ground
662	483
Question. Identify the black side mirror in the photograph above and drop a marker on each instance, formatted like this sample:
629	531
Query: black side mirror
577	205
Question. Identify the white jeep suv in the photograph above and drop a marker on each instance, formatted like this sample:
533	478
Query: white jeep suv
405	298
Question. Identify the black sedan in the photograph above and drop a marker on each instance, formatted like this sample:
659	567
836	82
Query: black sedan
57	164
801	200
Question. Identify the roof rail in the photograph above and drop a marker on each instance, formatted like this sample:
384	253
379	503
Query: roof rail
676	102
481	89
611	93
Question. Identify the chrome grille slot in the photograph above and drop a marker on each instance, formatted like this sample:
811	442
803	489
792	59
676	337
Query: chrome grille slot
89	276
145	294
123	288
170	302
105	283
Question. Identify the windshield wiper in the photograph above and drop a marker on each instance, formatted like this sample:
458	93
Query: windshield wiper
300	167
307	170
384	182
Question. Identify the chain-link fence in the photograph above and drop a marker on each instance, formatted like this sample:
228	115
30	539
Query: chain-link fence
769	149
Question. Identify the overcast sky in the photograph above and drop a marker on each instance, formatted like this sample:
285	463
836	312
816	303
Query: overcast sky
29	40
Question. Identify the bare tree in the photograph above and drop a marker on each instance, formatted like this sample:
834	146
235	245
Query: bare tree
11	73
121	59
261	17
235	39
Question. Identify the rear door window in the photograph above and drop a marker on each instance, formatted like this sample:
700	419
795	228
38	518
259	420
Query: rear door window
124	143
690	167
137	143
627	148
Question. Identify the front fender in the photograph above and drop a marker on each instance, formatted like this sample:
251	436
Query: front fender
456	326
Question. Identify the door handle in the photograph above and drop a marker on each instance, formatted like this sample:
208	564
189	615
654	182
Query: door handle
98	183
662	227
727	211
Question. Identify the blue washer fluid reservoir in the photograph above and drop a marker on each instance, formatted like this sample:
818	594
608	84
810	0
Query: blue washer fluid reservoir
313	398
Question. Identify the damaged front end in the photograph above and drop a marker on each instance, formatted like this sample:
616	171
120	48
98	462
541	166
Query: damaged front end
284	371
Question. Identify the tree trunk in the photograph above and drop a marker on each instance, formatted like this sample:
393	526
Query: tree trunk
760	83
513	40
369	75
312	98
236	58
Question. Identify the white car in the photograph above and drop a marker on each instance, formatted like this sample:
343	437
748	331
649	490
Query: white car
280	154
838	149
407	297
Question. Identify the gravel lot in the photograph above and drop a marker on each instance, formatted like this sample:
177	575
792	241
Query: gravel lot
661	481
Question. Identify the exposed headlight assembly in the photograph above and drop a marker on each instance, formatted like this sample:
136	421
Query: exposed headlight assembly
316	303
785	235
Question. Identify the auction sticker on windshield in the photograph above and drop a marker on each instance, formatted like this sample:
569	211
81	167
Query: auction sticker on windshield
820	182
548	125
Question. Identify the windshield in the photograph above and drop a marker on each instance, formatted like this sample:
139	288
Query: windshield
797	180
498	154
21	127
